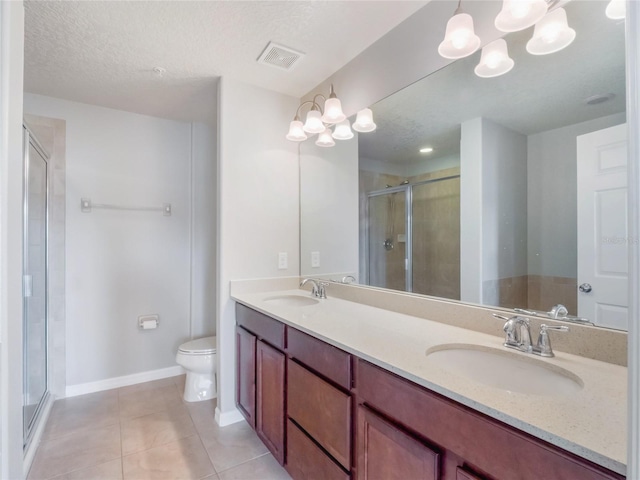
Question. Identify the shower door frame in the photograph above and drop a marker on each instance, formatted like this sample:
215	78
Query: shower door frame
408	268
408	211
31	140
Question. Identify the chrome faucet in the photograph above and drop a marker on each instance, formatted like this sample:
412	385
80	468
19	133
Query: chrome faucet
559	311
318	288
543	348
518	335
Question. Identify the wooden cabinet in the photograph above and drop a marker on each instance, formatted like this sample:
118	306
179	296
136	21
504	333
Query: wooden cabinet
299	394
270	414
385	451
321	410
246	382
465	437
305	459
261	376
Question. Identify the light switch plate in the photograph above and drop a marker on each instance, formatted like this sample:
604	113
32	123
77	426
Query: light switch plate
315	259
283	261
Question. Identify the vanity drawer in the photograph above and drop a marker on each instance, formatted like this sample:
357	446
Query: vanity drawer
321	410
321	357
267	328
503	451
305	460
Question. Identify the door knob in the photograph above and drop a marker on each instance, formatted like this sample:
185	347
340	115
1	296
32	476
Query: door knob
585	288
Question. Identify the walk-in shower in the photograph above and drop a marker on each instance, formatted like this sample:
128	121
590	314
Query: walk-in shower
413	237
35	281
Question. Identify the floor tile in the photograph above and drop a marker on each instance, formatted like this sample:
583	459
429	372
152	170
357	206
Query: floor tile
70	415
141	387
156	429
203	414
183	459
106	471
180	381
263	468
143	402
231	445
75	451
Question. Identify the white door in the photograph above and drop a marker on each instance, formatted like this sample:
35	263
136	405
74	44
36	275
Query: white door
602	227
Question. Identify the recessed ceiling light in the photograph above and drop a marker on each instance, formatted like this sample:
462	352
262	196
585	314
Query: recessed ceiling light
426	150
596	99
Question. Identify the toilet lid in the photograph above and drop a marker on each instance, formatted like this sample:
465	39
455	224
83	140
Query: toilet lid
200	346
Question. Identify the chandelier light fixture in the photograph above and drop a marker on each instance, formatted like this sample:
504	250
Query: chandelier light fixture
551	33
460	39
616	10
494	60
319	120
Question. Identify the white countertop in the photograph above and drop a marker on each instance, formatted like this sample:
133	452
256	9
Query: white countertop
591	423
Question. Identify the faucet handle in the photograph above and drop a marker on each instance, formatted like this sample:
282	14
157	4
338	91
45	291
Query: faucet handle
561	328
543	348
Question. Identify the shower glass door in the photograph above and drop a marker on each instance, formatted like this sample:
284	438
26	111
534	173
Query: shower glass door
387	227
35	284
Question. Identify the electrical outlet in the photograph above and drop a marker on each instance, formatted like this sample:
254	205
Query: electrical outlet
315	259
283	262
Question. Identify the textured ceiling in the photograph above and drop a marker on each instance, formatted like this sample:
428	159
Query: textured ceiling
104	53
540	93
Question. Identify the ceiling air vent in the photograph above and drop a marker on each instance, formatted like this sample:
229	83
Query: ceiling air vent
280	56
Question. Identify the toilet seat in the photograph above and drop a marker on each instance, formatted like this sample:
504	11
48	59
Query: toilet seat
201	346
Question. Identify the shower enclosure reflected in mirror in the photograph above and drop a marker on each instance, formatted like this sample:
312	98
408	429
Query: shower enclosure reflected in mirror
518	237
35	379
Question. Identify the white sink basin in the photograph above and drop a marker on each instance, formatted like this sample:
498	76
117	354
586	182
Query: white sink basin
505	370
291	300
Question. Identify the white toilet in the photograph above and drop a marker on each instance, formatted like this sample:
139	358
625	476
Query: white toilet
198	358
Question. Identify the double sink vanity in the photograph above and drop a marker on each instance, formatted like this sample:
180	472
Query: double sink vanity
340	388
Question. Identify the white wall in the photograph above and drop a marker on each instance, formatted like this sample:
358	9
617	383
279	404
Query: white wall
329	207
203	258
122	264
493	207
552	197
11	68
258	214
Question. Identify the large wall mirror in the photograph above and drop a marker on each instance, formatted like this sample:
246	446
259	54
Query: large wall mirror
517	199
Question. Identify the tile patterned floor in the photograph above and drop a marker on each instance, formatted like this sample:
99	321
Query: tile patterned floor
147	431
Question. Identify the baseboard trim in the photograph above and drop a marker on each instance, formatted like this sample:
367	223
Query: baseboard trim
228	418
125	381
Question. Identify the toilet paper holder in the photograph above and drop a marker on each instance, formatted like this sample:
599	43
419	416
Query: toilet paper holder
148	322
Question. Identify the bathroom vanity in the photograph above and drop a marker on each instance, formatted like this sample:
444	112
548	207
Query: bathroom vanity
335	390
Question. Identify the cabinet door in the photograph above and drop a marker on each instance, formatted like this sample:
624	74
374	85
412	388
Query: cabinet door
322	410
385	452
270	370
306	461
246	374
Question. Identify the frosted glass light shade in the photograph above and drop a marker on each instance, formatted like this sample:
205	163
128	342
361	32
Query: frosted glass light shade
313	124
342	131
551	34
325	139
364	121
616	9
296	132
333	111
460	39
494	60
517	15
